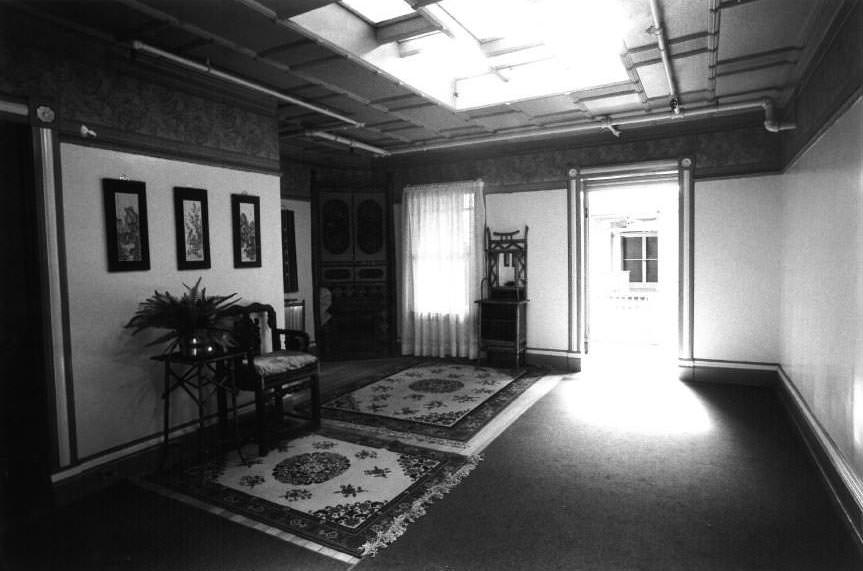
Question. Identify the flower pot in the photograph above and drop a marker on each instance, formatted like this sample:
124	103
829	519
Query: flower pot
197	345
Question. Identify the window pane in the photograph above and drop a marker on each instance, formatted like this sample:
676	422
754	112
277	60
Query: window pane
652	271
652	247
634	268
631	248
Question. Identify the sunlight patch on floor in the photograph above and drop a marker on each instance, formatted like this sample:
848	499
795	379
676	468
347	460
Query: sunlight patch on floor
636	396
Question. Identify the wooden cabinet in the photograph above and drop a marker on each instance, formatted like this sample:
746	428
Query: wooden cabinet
503	329
353	273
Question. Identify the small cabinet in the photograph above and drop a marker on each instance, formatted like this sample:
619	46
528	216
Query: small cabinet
503	310
503	328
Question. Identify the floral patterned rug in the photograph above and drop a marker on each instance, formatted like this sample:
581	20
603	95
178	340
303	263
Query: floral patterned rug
352	493
448	402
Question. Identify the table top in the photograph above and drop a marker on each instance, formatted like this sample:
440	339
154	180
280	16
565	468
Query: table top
177	357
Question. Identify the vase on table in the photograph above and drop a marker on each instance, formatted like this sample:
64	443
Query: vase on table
197	344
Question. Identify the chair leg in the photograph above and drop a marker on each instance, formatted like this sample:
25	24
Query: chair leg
316	401
261	421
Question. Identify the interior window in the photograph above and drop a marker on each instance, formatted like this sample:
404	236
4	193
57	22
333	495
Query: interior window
640	257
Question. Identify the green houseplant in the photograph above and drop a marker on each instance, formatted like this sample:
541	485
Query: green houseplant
196	322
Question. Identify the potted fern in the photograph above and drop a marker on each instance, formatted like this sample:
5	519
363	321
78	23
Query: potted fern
196	322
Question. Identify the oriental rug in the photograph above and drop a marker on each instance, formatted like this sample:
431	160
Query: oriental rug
442	404
327	490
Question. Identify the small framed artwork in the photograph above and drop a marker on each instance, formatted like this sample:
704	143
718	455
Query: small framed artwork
245	221
192	228
126	225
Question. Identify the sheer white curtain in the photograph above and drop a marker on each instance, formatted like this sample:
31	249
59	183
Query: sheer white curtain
442	265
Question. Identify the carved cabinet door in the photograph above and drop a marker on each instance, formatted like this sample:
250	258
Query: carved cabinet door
336	228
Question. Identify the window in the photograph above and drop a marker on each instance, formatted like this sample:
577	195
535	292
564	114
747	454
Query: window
640	257
442	257
444	247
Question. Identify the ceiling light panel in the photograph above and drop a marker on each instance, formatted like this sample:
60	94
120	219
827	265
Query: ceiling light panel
491	52
377	11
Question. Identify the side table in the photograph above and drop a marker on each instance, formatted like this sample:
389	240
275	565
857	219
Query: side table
200	377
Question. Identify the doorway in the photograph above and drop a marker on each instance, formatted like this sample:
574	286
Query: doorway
632	273
25	449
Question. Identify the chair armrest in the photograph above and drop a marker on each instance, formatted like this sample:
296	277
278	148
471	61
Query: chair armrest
294	339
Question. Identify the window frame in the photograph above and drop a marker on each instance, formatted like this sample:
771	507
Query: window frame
643	235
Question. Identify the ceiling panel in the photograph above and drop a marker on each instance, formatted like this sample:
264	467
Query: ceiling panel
296	53
546	105
414	134
355	79
750	80
680	18
230	20
362	112
469	130
612	104
246	67
115	19
653	79
761	26
500	121
561	118
433	116
168	38
288	8
691	73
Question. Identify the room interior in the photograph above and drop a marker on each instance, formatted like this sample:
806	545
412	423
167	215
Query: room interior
324	113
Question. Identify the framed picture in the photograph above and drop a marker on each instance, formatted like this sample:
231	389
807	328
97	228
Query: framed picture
192	228
126	225
289	252
245	221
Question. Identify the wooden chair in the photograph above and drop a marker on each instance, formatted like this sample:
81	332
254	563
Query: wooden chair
270	371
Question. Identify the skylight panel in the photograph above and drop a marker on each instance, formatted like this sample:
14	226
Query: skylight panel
377	11
491	19
485	52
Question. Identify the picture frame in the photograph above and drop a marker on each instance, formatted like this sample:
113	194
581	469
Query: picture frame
192	224
289	252
126	228
245	222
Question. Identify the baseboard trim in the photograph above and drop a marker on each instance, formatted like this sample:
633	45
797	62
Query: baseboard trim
844	485
748	373
555	359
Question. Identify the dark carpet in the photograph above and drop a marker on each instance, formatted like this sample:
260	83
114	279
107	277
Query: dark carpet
602	473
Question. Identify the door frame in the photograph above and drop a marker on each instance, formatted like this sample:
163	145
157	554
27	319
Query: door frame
42	117
578	180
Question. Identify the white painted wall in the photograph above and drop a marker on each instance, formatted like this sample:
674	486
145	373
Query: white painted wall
822	281
116	387
737	269
548	283
303	230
